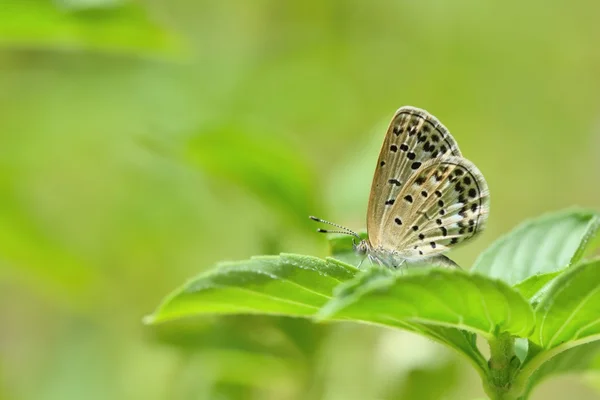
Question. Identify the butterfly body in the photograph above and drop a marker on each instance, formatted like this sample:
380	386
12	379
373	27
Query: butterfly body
396	259
425	197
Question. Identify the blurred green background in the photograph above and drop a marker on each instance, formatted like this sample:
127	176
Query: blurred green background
141	142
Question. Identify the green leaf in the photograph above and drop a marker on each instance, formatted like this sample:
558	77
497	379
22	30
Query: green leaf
294	285
235	344
264	165
109	28
541	245
577	359
448	306
418	383
37	257
567	326
462	342
531	286
449	298
569	312
251	369
290	285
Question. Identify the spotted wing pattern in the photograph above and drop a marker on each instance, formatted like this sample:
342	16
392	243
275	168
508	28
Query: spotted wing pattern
444	202
413	137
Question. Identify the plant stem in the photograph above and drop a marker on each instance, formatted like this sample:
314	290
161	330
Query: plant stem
502	366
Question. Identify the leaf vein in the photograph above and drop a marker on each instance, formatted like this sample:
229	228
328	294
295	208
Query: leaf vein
584	300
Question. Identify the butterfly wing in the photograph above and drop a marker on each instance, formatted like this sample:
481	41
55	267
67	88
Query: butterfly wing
413	137
445	202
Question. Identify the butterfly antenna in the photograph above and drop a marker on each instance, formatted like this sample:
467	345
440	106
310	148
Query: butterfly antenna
344	230
328	231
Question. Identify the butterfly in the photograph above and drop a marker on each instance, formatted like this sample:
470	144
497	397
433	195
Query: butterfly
425	196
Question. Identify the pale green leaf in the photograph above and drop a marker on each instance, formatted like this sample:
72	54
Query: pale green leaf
541	245
569	312
531	286
577	359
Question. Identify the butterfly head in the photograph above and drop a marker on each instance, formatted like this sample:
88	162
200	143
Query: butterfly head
361	248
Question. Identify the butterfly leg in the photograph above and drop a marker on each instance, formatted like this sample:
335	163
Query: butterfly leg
401	266
360	263
374	260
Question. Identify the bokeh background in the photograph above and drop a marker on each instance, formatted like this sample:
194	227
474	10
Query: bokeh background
141	142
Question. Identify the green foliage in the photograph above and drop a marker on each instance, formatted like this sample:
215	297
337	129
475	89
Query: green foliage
280	285
449	298
553	302
535	283
419	383
110	197
539	246
569	311
266	166
99	26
